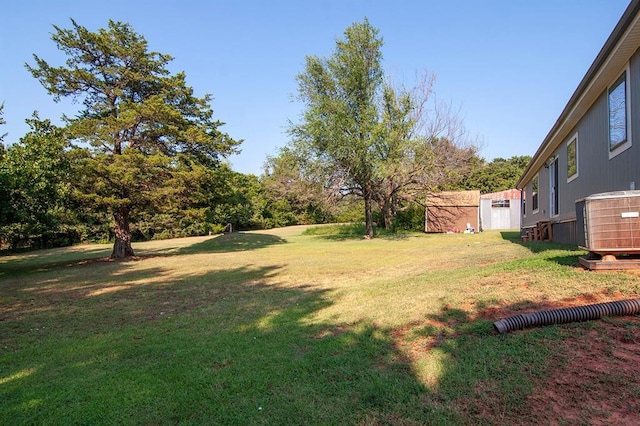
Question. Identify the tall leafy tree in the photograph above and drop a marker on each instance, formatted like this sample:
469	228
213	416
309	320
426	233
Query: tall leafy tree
298	185
423	144
2	121
35	174
400	151
199	200
4	179
137	119
384	144
233	198
341	116
496	175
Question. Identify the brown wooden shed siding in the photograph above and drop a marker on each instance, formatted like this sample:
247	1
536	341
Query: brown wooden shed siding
451	211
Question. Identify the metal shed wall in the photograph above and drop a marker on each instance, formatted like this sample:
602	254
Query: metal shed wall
500	217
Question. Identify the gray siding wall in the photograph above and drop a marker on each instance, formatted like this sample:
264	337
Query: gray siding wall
596	172
530	217
565	232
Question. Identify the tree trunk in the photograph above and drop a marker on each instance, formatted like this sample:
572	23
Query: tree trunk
368	215
122	246
388	208
387	215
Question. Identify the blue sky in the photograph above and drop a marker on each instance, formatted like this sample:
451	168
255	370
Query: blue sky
510	66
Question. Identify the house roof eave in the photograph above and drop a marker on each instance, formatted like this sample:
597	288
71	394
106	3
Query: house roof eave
616	52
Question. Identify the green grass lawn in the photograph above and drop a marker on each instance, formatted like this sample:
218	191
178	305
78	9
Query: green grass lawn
289	327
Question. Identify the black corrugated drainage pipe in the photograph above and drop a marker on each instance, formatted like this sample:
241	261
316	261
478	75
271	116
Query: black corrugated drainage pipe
565	315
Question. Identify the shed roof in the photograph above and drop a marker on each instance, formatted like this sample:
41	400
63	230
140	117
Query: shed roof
509	194
454	199
614	55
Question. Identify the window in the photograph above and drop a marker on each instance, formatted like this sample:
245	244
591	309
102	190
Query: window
534	194
572	158
524	203
500	203
619	131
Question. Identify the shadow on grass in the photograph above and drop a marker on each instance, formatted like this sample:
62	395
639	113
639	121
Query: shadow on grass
352	231
50	258
536	246
544	246
226	347
237	346
503	379
237	241
54	258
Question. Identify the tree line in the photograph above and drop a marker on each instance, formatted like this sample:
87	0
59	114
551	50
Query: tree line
144	158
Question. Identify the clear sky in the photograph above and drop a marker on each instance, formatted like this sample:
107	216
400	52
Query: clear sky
510	66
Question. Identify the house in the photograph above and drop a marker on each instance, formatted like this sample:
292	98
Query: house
594	146
500	210
452	211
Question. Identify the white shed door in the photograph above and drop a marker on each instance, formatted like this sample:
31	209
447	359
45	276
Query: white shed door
500	218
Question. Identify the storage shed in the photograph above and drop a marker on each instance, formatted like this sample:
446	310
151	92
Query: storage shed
452	211
500	210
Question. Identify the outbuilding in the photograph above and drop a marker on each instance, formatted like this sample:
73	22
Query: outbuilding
452	211
500	210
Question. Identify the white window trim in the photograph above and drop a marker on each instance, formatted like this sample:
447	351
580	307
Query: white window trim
554	159
537	176
575	176
523	202
626	145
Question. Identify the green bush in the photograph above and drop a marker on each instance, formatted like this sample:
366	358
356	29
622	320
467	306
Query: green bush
410	219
